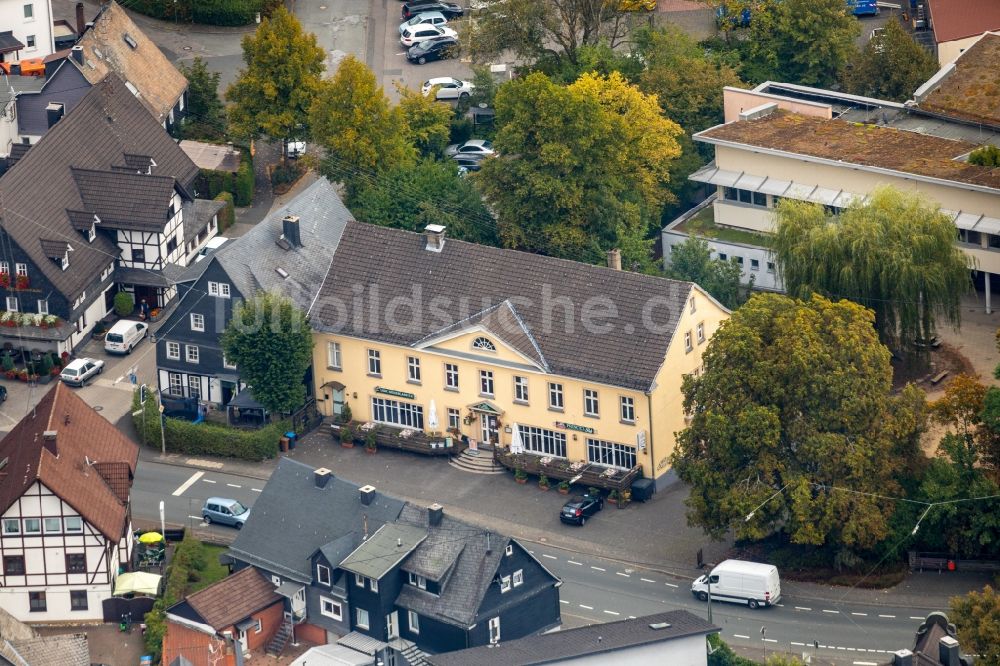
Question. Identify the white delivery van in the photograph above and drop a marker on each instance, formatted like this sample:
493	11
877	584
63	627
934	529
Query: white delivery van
741	582
124	336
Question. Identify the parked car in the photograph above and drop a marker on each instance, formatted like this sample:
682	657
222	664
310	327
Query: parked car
423	32
474	147
577	510
447	88
225	512
438	48
295	149
3	394
468	162
124	336
741	582
434	18
79	371
449	9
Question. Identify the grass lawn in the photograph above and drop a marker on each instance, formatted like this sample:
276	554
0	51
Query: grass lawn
213	571
703	224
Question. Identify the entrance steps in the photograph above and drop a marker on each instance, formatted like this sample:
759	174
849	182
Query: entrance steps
477	463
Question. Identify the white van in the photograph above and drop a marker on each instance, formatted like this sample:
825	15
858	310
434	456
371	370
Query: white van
124	336
741	582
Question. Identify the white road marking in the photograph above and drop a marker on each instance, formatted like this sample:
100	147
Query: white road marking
612	612
740	636
579	564
551	557
196	517
802	608
597	568
860	614
233	485
587	607
187	484
831	611
195	462
670	585
646	580
770	640
563	601
890	617
917	617
798	644
619	573
865	663
257	490
209	481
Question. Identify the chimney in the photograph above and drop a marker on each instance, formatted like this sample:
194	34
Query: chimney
434	514
54	113
80	23
902	658
49	442
367	495
615	259
434	233
290	230
77	54
948	652
322	477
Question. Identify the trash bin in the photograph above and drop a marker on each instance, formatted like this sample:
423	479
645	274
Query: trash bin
283	444
291	436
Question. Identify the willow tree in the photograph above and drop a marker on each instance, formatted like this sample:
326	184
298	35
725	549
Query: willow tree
894	254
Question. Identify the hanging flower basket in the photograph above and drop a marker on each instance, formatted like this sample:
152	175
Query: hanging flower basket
5	280
22	282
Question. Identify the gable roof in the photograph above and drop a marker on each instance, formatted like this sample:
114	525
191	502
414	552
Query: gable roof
83	437
292	519
37	193
230	600
958	19
105	49
556	301
593	639
125	199
379	553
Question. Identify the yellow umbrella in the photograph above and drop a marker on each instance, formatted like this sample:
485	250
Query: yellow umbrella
151	537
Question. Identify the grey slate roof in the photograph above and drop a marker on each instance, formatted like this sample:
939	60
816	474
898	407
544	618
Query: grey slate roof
252	260
292	519
465	278
382	551
36	193
592	640
21	644
126	200
197	215
8	42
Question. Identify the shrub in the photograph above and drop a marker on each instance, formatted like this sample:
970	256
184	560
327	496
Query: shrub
347	434
286	173
987	156
209	12
211	182
244	183
520	474
543	481
370	438
188	560
346	415
124	304
227	214
8	363
46	365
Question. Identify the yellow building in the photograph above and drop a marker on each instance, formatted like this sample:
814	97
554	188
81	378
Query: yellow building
583	362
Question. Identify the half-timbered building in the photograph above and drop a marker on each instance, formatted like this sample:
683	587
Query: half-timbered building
65	520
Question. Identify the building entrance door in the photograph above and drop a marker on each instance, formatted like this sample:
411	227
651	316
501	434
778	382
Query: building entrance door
392	625
489	431
338	402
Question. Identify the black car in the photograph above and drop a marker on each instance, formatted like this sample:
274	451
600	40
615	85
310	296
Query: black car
449	9
578	509
3	394
437	48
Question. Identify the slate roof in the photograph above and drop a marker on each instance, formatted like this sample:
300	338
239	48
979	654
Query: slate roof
159	83
197	215
292	519
212	156
592	640
126	200
230	600
82	435
465	278
8	42
54	249
252	260
957	19
37	192
57	650
379	553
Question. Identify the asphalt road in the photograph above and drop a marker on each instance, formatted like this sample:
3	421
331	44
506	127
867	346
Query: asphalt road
594	589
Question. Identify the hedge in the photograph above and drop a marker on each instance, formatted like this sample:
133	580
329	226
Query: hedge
209	12
188	560
243	190
227	215
211	182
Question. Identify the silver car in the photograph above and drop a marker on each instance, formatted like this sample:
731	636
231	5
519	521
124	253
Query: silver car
225	512
79	371
434	18
472	147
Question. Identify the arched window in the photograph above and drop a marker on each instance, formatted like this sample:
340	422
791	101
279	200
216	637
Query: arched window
483	343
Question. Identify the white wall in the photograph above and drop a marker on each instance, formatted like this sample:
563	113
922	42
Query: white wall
688	651
40	25
763	279
92	315
8	125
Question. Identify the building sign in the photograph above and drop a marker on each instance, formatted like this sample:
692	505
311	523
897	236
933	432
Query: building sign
394	393
640	440
573	426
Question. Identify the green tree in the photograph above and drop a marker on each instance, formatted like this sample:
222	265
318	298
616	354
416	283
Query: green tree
891	66
578	164
977	619
894	254
206	115
272	95
692	261
270	341
794	403
124	304
428	122
987	156
362	133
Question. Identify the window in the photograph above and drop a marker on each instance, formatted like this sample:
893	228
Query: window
22	269
32	525
194	386
73	524
509	550
484	344
687	342
52	525
723	256
627	409
691	304
91	234
174	350
43	306
197	322
191	353
521	389
373	584
276	580
12	303
485	382
226	363
29	42
359	580
754	264
759	199
451	376
29	11
414	621
413	368
701	332
546	442
518	577
171	244
4	267
257	628
770	267
738	260
333	355
76	563
11	526
416	580
220	289
176	383
13	565
78	600
454	417
610	454
139	257
590	406
396	412
505	584
36	602
555	396
322	574
362	618
374	362
331	608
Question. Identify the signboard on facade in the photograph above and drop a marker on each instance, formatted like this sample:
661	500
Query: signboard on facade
573	426
394	393
640	440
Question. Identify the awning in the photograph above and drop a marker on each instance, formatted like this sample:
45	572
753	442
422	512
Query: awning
775	187
335	385
749	182
822	195
245	624
137	582
845	199
288	589
800	191
988	225
226	377
361	643
715	176
8	42
965	220
245	400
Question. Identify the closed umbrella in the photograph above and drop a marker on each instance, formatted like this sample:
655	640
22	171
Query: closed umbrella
516	445
151	537
432	416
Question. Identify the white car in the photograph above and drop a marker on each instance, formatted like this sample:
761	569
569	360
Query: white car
80	370
432	18
447	88
421	33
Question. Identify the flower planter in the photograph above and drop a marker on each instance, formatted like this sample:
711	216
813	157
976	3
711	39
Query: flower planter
347	445
370	451
563	491
521	481
543	488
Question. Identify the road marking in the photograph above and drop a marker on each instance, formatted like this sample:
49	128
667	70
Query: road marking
233	485
619	573
257	490
195	462
865	663
670	585
587	607
740	636
891	617
579	564
187	484
563	601
770	640
917	617
646	580
612	612
597	568
802	608
551	557
196	517
831	611
209	481
798	644
780	605
860	614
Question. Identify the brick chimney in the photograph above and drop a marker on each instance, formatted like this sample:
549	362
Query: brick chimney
367	495
49	441
434	233
77	54
290	230
322	477
615	259
81	23
435	512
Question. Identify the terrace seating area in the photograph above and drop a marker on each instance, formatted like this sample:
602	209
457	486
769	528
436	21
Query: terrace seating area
561	469
415	441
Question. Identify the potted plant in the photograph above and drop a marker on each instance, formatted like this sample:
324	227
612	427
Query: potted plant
624	498
22	282
563	487
370	443
345	414
347	436
520	476
613	496
543	482
45	371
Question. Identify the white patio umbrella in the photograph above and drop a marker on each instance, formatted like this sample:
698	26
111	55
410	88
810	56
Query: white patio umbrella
516	446
432	416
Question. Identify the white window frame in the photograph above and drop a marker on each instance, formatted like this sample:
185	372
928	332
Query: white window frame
483	343
520	389
192	357
21	269
336	608
320	569
611	454
218	289
556	396
198	322
454	418
413	369
486	385
11	526
700	329
30	43
45	525
175	380
417	580
413	620
12	304
505	584
43	306
258	627
4	267
543	441
374	363
517	578
359	580
373	584
29	11
397	413
451	376
24	525
173	350
333	358
361	612
591	403
687	342
627	407
194	386
73	530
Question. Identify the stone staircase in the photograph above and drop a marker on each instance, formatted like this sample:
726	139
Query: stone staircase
277	644
477	463
414	656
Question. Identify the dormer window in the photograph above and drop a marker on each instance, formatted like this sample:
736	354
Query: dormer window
484	343
417	581
91	233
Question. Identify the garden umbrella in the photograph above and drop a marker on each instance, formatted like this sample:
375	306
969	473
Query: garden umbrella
151	538
432	416
516	446
137	582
